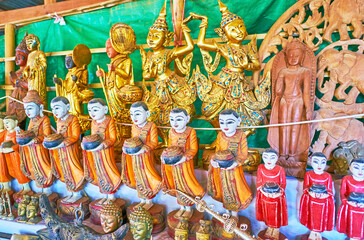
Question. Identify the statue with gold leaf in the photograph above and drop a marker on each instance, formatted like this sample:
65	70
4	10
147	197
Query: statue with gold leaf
230	89
170	90
118	83
75	86
35	71
141	224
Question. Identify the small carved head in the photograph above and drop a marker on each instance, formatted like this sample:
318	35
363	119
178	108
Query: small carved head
141	224
10	122
97	108
295	52
357	169
33	104
139	113
270	158
318	162
32	42
179	118
68	61
229	120
60	106
110	216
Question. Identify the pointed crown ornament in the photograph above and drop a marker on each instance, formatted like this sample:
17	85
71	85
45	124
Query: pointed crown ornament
22	47
227	16
161	22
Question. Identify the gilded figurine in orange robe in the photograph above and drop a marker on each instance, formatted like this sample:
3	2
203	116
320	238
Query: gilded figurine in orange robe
271	204
350	218
180	175
317	206
138	169
66	156
35	162
99	162
228	184
10	158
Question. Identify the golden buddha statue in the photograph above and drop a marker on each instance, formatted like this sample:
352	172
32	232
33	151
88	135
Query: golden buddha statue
32	211
141	224
75	86
170	90
230	89
111	217
22	209
35	70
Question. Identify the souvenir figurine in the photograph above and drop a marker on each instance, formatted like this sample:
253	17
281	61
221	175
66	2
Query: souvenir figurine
121	43
177	161
141	224
350	218
138	169
34	158
10	158
226	179
75	86
98	157
170	89
181	230
19	83
271	205
204	230
65	149
22	209
32	211
35	71
111	217
230	89
293	89
317	206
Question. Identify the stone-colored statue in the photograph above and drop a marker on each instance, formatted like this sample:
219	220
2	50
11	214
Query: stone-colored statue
138	168
171	90
226	179
10	158
230	89
293	93
32	211
121	43
98	161
22	209
344	154
317	208
75	86
180	174
141	224
20	84
66	153
350	218
35	70
271	204
111	217
35	161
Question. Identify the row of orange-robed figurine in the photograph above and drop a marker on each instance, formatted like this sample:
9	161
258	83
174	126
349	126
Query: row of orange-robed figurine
226	181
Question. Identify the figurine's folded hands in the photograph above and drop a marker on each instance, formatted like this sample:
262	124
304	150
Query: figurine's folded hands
6	150
214	164
204	19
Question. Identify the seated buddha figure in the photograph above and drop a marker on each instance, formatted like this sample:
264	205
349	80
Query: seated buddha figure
66	155
226	180
98	156
138	169
179	174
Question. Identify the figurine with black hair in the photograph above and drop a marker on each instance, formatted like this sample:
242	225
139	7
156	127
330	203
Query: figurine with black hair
271	204
138	169
350	219
317	206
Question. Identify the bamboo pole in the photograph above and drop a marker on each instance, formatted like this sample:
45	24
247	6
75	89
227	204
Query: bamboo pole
9	51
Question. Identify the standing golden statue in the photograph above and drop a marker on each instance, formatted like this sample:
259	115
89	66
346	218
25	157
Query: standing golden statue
35	70
230	89
121	43
74	86
169	89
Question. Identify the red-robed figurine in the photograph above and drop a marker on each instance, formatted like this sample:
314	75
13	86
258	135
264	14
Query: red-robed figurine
350	219
317	206
271	206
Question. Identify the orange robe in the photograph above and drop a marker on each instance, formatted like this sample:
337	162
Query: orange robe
10	162
35	162
66	160
230	186
99	166
181	176
138	170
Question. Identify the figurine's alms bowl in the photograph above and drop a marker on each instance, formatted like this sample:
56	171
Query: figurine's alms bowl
271	187
23	138
172	155
53	140
318	188
356	197
133	145
224	158
91	141
7	144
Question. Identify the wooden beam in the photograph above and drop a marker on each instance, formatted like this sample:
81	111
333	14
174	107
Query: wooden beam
46	2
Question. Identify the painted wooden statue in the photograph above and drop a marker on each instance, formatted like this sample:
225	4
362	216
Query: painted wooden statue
177	161
138	170
111	217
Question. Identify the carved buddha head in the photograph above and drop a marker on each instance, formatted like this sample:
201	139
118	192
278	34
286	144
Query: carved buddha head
10	122
139	113
97	109
270	158
111	217
32	42
68	62
357	169
33	207
229	120
295	52
318	162
141	224
179	118
33	104
110	51
60	107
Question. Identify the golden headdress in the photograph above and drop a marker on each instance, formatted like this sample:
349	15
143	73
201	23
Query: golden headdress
227	16
23	45
111	209
141	215
33	96
161	22
30	36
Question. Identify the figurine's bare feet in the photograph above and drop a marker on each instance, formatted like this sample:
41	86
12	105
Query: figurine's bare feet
179	213
148	204
21	192
269	232
187	214
75	197
291	159
282	158
102	201
141	204
66	199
